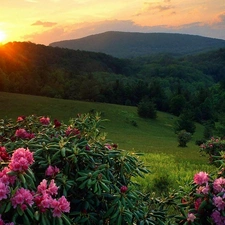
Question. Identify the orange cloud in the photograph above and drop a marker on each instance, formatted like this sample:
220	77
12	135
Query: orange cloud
44	24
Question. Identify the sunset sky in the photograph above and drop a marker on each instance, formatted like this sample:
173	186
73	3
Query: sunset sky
46	21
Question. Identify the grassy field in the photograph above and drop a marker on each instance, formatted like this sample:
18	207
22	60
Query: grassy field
154	138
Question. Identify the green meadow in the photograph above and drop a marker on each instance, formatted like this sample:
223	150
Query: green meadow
170	166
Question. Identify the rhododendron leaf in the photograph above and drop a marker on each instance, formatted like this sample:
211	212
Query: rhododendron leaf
203	204
8	207
20	211
37	215
26	221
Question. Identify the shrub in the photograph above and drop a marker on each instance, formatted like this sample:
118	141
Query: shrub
183	138
52	173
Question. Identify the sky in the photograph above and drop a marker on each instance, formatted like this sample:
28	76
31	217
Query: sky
47	21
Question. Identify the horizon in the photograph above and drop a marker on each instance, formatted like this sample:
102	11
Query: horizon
48	21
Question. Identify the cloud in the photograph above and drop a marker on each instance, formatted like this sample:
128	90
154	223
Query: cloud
221	20
157	6
44	24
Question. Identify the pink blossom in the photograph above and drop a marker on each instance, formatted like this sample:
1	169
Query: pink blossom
42	186
219	185
197	203
57	123
191	217
4	191
20	118
123	189
5	177
108	146
203	189
52	189
21	159
59	206
4	156
218	202
21	133
44	120
217	218
51	171
22	197
72	131
43	201
201	178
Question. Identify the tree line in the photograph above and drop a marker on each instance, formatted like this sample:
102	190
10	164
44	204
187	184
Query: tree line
192	85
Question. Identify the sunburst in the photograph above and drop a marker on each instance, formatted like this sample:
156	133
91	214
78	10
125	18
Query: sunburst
2	36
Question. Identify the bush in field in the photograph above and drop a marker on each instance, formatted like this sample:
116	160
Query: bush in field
52	173
183	138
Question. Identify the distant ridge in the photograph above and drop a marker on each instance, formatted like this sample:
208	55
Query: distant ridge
133	44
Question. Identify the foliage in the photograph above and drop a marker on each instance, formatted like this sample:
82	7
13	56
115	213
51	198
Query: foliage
146	109
72	165
185	122
183	138
214	148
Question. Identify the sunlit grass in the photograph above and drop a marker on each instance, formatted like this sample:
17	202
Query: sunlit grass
155	138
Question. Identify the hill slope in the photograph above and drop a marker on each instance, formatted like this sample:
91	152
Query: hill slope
131	44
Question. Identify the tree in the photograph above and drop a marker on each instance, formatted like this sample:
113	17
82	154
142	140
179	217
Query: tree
185	122
146	109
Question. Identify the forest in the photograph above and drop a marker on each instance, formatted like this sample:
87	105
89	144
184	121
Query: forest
192	86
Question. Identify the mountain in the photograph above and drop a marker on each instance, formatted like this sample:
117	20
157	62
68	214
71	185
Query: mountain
132	44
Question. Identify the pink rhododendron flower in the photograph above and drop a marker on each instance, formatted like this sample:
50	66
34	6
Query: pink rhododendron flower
4	156
203	189
21	133
5	177
108	146
217	218
51	171
44	120
219	185
20	118
123	189
59	206
218	202
201	178
57	123
4	190
44	188
22	197
21	159
43	201
191	217
72	131
197	203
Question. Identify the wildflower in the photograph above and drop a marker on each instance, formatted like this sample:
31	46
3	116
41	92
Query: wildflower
22	197
51	171
59	206
201	178
44	120
21	159
191	217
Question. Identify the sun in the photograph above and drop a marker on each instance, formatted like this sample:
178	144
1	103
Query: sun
2	36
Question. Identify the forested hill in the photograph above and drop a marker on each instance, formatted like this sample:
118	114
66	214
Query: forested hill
131	44
173	84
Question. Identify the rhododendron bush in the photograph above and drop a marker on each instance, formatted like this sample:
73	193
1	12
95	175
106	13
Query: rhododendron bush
55	173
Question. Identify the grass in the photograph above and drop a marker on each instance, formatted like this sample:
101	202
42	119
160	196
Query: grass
154	138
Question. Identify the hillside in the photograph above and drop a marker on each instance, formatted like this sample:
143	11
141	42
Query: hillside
131	44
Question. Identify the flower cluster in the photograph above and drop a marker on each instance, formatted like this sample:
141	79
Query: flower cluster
44	199
21	160
23	134
208	199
